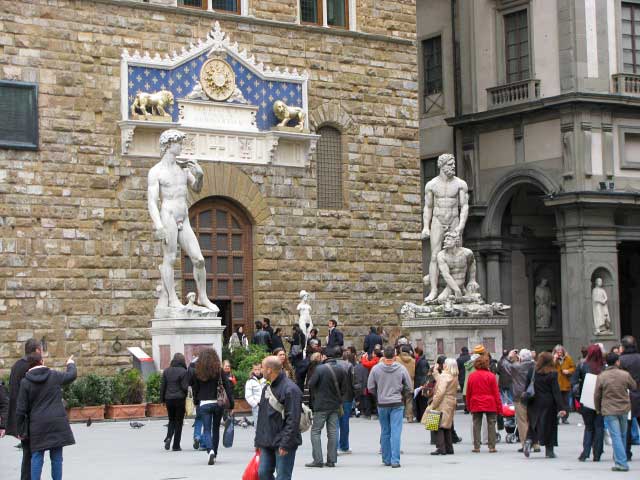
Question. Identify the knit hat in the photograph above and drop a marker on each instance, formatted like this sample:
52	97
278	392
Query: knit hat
479	349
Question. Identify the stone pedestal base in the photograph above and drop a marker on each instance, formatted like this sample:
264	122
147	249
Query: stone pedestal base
439	335
182	335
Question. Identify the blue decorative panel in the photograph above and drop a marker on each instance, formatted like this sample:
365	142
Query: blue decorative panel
181	80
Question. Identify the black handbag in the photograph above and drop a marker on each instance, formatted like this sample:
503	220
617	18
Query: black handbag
229	429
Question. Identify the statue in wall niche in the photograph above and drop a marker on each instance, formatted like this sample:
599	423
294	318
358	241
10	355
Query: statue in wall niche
168	181
446	208
304	309
601	318
285	114
543	304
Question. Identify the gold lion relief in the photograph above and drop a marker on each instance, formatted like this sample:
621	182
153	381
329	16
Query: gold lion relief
151	106
285	114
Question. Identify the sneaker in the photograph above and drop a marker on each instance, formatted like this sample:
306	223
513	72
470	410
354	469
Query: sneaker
314	465
344	452
437	452
212	458
395	465
619	468
196	444
167	443
330	464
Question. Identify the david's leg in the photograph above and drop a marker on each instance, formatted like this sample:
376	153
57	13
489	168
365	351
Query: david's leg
169	251
189	243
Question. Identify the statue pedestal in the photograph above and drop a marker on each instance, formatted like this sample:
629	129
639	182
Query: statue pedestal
470	331
182	332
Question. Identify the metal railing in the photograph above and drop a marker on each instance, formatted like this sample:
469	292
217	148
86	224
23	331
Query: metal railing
513	93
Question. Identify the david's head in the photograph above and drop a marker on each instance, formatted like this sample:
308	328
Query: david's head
171	141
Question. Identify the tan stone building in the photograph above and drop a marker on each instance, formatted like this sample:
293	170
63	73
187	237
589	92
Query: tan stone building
539	100
340	218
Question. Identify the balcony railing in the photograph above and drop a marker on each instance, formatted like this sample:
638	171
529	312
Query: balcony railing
513	93
626	84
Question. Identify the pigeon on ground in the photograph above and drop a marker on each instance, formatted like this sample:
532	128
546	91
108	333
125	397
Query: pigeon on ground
89	421
136	425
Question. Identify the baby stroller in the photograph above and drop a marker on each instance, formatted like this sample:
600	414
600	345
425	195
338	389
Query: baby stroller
510	425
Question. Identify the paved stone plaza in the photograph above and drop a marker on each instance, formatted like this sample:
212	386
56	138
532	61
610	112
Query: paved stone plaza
115	451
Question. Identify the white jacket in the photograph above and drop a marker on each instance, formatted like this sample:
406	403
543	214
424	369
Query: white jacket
253	390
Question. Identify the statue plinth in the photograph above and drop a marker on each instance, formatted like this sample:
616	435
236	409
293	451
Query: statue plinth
180	330
431	329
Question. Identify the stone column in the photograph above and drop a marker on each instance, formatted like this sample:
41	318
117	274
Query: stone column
481	273
493	277
588	247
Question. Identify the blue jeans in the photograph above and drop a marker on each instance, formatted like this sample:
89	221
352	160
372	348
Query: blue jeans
343	427
617	426
506	396
270	461
211	418
390	432
197	425
37	460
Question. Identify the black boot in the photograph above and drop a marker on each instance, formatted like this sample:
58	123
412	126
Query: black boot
548	452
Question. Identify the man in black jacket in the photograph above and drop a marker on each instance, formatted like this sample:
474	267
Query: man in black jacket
335	337
328	387
262	337
278	429
371	340
630	361
18	371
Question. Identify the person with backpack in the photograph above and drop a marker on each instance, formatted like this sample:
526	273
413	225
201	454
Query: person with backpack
278	433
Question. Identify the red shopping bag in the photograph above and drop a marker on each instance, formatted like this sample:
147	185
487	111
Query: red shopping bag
251	472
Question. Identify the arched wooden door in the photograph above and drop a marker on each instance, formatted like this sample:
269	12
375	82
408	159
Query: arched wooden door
225	237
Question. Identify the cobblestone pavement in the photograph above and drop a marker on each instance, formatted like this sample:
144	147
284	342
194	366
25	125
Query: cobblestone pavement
115	451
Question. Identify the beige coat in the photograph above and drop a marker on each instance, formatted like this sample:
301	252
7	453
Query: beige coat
407	361
444	399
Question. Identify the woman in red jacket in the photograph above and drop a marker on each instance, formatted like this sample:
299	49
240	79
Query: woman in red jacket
483	397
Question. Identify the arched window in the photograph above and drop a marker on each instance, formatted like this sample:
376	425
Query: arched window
329	160
224	234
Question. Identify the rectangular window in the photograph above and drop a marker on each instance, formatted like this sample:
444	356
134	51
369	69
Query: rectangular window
225	5
202	4
311	11
19	107
631	37
516	33
432	65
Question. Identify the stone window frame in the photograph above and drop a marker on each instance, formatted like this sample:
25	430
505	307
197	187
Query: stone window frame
504	8
350	15
619	5
32	88
433	104
622	131
341	176
242	7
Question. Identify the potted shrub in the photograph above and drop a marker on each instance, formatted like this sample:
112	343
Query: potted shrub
154	407
86	398
128	396
242	361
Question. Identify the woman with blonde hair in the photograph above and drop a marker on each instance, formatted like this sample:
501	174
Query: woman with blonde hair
444	400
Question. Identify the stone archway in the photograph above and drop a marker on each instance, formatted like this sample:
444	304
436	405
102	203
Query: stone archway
225	180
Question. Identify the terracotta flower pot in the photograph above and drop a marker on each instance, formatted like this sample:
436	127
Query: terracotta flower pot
241	406
156	410
116	412
82	414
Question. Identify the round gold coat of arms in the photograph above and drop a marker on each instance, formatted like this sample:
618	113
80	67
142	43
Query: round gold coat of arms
217	79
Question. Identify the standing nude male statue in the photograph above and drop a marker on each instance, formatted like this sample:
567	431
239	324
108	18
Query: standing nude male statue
168	181
446	208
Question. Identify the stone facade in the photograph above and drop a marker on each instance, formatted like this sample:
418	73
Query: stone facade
78	265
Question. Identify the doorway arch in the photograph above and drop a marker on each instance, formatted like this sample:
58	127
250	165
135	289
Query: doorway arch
225	234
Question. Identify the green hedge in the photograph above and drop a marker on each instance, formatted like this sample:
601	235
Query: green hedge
88	391
153	387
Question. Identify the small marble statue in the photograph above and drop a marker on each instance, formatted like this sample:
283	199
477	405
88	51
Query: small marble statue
446	207
601	318
304	322
543	305
168	181
457	266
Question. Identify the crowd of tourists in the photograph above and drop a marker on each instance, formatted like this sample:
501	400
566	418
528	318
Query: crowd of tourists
525	393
